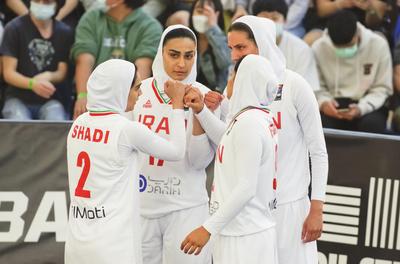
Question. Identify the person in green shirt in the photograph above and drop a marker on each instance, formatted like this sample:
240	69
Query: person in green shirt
119	30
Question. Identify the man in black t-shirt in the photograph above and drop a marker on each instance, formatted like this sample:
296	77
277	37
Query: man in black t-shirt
35	51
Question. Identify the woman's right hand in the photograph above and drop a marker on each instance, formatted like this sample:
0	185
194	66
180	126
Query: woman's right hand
176	91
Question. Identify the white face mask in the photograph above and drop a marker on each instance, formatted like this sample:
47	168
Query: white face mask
200	23
279	29
42	11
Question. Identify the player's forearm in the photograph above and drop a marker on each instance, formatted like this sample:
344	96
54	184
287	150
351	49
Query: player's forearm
213	126
84	65
316	207
144	67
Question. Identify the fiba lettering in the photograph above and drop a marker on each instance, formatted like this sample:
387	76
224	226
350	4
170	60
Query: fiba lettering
96	135
88	213
220	153
278	120
149	120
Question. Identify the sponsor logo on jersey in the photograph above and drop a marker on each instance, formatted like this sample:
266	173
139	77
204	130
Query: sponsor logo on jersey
165	186
147	104
88	213
279	93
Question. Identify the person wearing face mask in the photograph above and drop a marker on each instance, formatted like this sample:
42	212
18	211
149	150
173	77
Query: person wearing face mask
355	69
118	30
174	198
35	53
301	139
214	60
243	192
299	56
102	154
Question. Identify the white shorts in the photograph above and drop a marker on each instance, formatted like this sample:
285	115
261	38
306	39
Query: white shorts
258	248
289	219
162	237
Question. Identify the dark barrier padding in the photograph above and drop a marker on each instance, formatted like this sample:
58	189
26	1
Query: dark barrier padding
361	215
33	185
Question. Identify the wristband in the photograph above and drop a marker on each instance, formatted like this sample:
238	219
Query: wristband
30	83
82	95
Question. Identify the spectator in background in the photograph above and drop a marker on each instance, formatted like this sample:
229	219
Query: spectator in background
355	75
70	6
295	14
170	12
35	52
14	8
396	62
371	13
299	56
214	55
120	31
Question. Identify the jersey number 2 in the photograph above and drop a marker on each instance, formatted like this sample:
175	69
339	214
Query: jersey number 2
79	191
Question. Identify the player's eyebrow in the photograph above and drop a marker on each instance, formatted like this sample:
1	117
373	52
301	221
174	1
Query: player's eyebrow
175	51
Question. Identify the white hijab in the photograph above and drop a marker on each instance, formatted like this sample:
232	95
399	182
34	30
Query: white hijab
109	85
255	85
264	32
158	65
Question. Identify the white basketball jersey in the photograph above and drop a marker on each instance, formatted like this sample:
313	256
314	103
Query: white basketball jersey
103	216
166	186
297	118
256	214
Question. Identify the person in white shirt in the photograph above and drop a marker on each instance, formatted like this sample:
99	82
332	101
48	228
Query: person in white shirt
297	118
102	153
299	56
243	195
173	194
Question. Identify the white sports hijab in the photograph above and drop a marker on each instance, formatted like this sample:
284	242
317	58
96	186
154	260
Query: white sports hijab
264	31
255	85
158	65
109	85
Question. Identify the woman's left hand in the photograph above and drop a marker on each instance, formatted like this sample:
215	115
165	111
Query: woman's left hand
209	12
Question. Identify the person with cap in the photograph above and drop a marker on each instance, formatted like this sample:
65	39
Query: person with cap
243	193
174	198
102	154
296	115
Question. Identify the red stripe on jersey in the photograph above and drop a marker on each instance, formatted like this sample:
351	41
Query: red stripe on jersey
153	85
101	114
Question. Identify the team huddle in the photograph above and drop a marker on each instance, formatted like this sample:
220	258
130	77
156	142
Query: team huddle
137	159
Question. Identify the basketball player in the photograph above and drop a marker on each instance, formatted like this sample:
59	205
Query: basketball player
243	196
174	199
299	222
102	151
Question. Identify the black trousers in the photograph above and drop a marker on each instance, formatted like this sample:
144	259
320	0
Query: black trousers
374	122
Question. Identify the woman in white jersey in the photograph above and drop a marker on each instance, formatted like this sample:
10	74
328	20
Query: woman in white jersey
297	118
173	194
242	195
102	151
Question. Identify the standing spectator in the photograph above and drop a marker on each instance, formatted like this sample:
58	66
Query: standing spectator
355	74
214	56
123	32
35	56
299	56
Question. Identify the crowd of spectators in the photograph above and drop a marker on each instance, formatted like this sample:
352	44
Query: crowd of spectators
348	50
